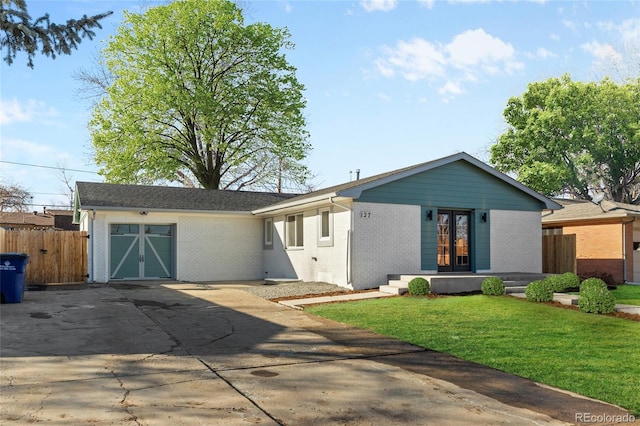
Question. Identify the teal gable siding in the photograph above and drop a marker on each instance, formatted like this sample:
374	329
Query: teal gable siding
457	185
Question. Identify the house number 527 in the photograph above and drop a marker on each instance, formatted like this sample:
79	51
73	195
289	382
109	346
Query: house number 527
365	215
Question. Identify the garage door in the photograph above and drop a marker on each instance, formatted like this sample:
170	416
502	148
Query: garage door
141	251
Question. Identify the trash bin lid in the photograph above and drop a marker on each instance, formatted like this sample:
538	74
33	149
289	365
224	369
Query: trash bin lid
14	256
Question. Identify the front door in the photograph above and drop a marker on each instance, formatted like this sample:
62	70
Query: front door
141	251
453	241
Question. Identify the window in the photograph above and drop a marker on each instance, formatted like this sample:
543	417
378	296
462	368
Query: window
325	227
268	232
294	230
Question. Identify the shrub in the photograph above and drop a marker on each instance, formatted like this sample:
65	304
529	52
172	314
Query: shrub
493	286
562	282
539	291
595	297
419	287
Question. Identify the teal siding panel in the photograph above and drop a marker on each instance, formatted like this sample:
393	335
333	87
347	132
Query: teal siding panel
481	241
457	185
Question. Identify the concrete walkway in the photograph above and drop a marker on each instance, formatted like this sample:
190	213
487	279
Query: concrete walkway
183	354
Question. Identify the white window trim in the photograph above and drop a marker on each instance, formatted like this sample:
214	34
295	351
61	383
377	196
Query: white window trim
268	232
322	240
298	216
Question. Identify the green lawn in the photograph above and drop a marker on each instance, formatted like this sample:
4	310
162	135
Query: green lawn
593	355
627	294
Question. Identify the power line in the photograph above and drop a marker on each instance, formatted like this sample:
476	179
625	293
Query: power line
48	167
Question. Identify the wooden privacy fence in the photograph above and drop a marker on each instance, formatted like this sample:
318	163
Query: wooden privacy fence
559	254
54	256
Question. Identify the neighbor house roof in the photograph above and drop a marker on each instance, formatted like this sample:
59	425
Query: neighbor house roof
583	210
353	189
26	220
106	196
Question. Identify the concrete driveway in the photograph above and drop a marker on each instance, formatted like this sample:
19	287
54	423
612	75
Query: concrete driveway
182	354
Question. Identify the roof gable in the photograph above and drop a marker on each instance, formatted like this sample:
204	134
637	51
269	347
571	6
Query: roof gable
354	189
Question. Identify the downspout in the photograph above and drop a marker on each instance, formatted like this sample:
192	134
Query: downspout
348	254
624	249
92	240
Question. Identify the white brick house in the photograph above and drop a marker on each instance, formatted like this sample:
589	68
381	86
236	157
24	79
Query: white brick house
455	214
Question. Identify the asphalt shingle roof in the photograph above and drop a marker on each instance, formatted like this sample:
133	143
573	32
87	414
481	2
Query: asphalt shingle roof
586	210
107	195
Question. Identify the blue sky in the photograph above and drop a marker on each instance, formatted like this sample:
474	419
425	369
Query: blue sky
388	83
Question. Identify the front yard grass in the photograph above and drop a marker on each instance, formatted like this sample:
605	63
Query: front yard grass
593	355
627	294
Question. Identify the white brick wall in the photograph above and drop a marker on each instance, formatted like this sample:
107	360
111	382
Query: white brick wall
312	262
516	241
387	240
208	247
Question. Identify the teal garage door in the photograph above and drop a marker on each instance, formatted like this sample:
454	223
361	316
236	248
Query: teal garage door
141	251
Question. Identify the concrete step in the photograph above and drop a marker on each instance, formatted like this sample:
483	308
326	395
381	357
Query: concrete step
514	289
393	289
565	299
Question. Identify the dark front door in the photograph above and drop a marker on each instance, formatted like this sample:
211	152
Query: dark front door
453	241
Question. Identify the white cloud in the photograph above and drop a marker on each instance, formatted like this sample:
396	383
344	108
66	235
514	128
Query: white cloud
450	88
602	52
15	111
569	24
467	58
476	48
384	97
415	60
427	3
378	5
541	53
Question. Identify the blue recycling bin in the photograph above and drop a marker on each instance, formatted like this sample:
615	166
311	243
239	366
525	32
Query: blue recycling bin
13	268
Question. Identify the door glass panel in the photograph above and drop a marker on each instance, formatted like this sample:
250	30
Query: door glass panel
158	230
124	229
444	239
462	239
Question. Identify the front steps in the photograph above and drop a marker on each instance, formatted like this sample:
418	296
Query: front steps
452	284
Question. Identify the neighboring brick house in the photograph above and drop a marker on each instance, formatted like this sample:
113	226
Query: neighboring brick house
455	214
607	237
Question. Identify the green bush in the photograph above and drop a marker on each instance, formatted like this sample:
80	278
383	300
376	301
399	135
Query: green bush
560	283
595	297
539	291
419	287
493	286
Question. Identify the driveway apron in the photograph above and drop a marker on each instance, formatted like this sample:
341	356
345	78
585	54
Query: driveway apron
183	354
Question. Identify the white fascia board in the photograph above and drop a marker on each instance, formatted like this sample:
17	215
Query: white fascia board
295	204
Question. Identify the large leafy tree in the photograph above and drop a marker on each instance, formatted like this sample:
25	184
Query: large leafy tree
199	96
569	137
21	33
